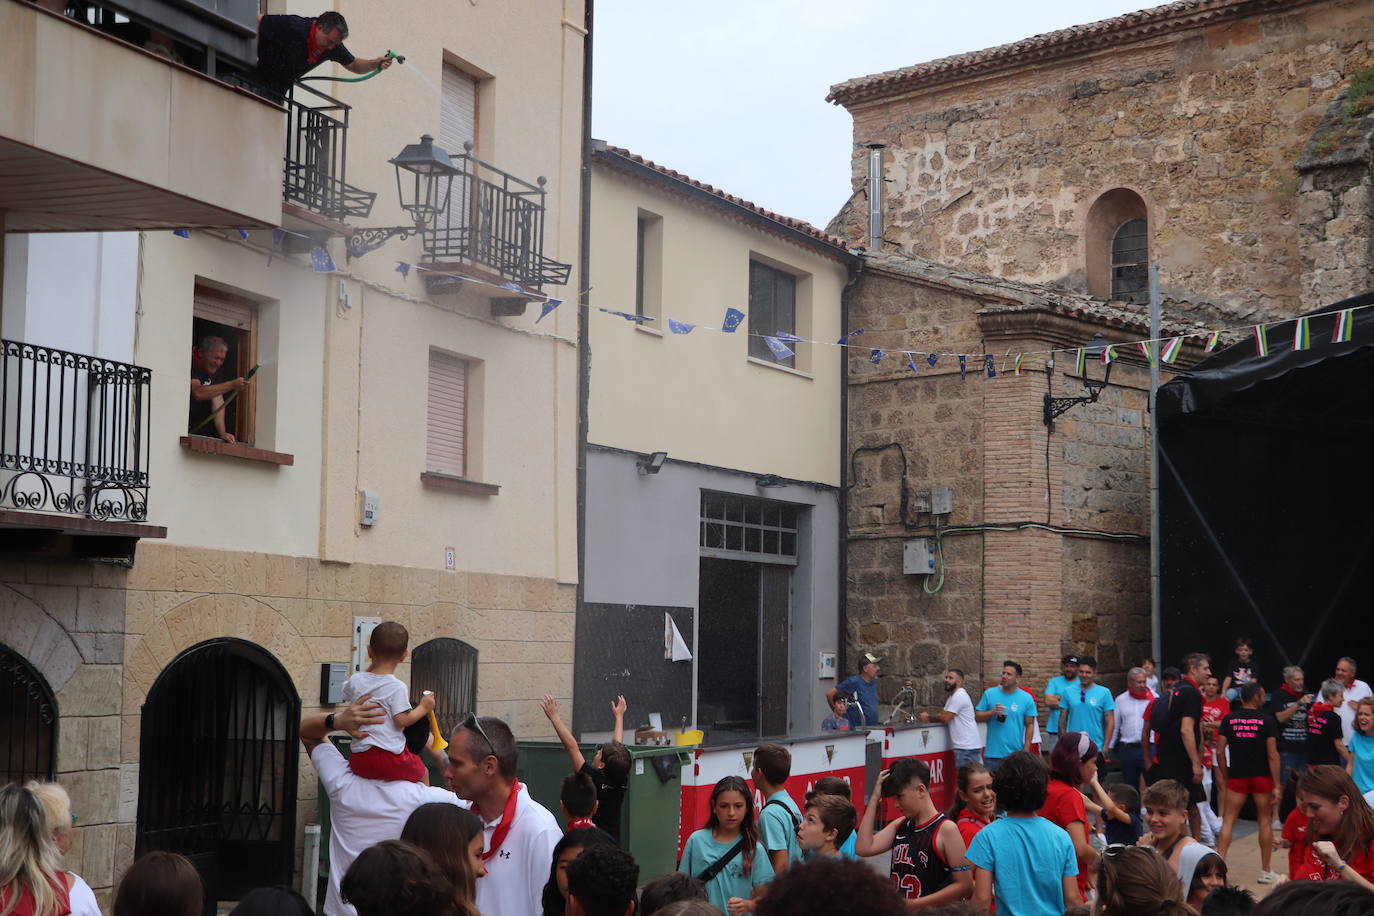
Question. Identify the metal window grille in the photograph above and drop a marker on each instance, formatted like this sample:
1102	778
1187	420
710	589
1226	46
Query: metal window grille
28	721
218	755
772	310
747	528
1130	257
449	668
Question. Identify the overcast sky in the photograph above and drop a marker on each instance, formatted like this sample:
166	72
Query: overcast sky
732	92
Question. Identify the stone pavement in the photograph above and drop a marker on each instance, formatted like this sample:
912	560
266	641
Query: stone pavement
1243	862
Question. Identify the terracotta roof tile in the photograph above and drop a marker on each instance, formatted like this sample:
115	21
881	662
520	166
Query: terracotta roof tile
1123	29
610	154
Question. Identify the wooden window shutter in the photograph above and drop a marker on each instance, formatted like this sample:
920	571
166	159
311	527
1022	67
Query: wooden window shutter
458	111
446	435
223	308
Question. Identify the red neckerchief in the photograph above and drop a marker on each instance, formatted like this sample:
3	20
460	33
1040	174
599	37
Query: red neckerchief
1319	707
1288	690
311	54
507	820
1191	681
580	823
1140	695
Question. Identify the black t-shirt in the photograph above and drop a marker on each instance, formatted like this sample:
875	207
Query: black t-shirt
1186	702
609	798
1293	733
200	409
1240	672
1324	728
1247	733
284	52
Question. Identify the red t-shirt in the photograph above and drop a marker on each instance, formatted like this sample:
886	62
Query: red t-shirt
1294	831
969	824
1063	806
25	906
1305	864
1213	711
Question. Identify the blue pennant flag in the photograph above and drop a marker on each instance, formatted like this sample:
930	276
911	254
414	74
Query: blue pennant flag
733	317
321	261
875	356
548	306
182	233
403	269
513	287
911	363
277	236
844	341
780	349
932	359
243	234
790	338
626	315
963	367
992	372
680	327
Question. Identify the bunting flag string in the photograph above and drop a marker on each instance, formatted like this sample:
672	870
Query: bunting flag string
990	368
1302	335
733	317
1109	354
911	362
680	327
844	341
1213	339
546	307
1172	349
932	359
321	261
1344	323
875	356
182	233
963	367
780	349
1081	362
1016	366
403	269
1146	348
1261	341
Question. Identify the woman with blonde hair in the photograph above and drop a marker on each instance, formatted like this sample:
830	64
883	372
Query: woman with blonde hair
32	882
58	806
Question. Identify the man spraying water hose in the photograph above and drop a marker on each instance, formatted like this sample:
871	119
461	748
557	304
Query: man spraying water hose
291	46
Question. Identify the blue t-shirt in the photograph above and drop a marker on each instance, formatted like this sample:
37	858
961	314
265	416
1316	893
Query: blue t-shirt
1085	709
702	850
1362	746
1059	686
777	830
868	699
1029	857
1010	736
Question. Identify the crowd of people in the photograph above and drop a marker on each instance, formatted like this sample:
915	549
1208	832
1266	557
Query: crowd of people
1032	829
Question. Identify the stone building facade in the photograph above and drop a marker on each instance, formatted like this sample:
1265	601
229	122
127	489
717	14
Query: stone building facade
1023	161
1046	550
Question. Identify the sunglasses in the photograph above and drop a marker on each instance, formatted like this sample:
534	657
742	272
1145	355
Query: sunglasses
471	721
1115	849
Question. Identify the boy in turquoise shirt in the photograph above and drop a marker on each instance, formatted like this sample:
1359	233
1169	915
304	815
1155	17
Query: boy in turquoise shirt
780	817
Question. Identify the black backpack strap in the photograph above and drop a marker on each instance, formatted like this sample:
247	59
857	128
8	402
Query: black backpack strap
715	867
790	816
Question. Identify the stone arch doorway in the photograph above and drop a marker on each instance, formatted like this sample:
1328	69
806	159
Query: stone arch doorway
448	667
217	773
28	721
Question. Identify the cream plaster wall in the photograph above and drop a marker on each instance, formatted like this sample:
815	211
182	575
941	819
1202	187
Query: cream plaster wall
699	397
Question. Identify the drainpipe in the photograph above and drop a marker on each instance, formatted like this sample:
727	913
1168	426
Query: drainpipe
584	352
875	195
842	610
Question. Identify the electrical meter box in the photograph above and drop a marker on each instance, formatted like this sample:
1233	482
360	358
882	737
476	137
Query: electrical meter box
941	501
918	557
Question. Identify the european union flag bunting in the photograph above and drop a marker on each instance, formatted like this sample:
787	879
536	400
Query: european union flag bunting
780	349
321	261
733	317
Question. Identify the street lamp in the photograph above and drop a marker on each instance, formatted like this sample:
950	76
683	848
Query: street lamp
1094	349
423	191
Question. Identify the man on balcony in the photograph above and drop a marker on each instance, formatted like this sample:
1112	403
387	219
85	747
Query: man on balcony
207	395
291	46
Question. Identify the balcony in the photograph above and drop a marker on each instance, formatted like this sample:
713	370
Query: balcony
98	134
74	448
315	177
494	222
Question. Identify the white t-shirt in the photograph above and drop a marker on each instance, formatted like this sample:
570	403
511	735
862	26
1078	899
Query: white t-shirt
393	695
1356	691
82	898
963	728
516	875
1130	718
362	813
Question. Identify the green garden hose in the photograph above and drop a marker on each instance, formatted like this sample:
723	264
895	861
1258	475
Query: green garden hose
390	55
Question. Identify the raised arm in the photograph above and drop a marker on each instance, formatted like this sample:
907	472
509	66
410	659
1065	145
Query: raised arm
415	713
869	843
618	707
550	707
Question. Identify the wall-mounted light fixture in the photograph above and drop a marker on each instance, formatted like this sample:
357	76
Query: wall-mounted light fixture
651	464
1094	349
423	193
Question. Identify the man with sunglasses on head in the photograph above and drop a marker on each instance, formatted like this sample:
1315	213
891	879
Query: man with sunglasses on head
520	833
363	812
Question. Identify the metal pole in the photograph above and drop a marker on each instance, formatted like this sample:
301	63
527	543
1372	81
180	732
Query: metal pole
310	864
1156	642
875	197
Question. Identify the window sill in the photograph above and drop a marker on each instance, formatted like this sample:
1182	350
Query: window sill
209	446
458	484
788	369
652	332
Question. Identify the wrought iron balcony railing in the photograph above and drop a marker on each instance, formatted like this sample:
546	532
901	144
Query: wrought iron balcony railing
494	220
73	433
316	172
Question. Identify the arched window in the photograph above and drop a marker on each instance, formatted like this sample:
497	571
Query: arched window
1117	246
1130	262
449	668
28	721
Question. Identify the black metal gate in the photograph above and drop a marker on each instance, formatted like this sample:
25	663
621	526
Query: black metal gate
28	721
449	668
217	777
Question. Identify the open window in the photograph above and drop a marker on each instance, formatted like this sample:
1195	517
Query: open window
224	345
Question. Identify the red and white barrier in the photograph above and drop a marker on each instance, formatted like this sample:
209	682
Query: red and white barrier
837	754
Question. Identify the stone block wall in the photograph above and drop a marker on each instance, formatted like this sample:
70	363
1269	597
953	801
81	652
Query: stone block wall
102	635
995	170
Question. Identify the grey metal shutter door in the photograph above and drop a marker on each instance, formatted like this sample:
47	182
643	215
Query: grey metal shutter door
446	433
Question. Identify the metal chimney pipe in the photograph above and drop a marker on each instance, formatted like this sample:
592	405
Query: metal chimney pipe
875	195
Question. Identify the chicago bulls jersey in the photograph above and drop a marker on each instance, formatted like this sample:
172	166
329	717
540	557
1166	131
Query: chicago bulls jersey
918	869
